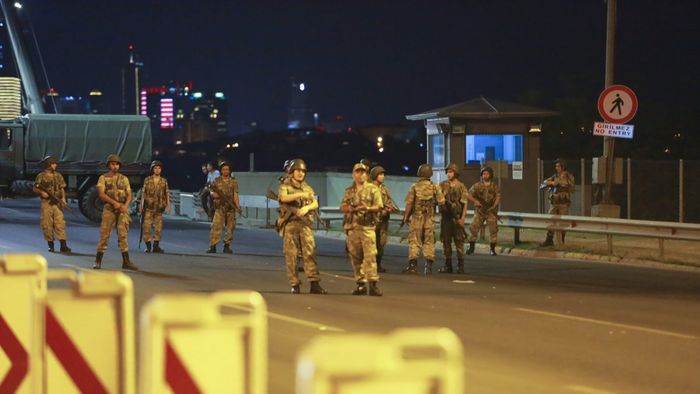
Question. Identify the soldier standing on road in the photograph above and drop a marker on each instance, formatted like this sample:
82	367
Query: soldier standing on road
561	185
362	203
224	190
382	231
156	199
205	196
115	191
297	201
452	223
486	196
50	186
421	200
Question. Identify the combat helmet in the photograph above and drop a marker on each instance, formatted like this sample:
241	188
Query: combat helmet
366	162
48	160
374	173
224	163
425	171
287	163
359	167
113	158
486	169
452	167
156	163
297	164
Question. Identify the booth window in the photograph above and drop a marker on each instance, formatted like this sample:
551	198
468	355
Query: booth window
437	150
5	139
489	147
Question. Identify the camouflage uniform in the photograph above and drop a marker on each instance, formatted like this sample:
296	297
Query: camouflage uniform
225	214
382	229
361	230
560	199
423	196
51	217
155	195
118	188
298	237
456	198
486	195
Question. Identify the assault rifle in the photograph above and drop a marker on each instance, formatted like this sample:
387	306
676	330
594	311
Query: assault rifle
226	201
286	213
56	200
544	186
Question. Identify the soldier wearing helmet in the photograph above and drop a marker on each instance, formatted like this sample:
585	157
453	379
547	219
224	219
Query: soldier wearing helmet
362	203
486	196
224	190
421	200
297	201
452	223
115	191
50	186
382	231
155	199
560	186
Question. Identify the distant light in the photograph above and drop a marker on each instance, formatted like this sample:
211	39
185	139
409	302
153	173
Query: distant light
235	145
96	92
380	139
178	142
381	150
536	128
131	47
228	145
219	95
421	144
18	5
302	87
197	94
316	115
69	98
405	168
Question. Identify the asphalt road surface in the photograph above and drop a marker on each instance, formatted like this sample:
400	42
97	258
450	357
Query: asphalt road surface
527	325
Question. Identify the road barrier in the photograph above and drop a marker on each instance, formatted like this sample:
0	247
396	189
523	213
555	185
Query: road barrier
90	333
406	361
194	343
23	284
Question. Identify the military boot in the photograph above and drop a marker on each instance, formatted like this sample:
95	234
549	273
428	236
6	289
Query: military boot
64	246
374	290
227	249
127	264
317	289
156	247
212	249
428	267
447	269
411	268
471	247
549	241
380	268
361	289
296	289
98	260
492	252
460	265
50	243
148	246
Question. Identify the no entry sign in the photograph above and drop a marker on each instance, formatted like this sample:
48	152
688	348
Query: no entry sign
617	104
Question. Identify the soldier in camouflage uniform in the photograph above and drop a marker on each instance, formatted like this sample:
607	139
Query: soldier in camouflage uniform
224	190
155	200
50	186
421	200
362	203
115	191
297	202
486	196
560	185
452	223
382	233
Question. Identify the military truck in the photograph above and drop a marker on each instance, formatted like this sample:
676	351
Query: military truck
80	143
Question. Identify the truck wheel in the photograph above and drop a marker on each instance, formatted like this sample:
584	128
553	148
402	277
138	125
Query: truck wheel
91	205
22	188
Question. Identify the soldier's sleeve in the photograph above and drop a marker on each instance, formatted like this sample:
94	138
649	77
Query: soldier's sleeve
101	183
235	185
128	185
463	195
282	191
411	195
377	197
39	178
498	190
439	195
472	190
61	181
347	197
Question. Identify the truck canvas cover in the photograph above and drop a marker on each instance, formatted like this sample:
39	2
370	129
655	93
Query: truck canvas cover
87	138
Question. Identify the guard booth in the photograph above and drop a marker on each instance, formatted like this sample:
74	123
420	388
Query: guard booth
483	131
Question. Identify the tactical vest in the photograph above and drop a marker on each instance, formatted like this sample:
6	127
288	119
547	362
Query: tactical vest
116	187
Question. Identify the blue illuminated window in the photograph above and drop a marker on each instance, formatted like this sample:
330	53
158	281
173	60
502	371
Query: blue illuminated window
488	147
436	155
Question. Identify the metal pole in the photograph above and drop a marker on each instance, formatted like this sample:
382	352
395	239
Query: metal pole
137	96
680	191
609	142
629	188
251	159
539	192
583	187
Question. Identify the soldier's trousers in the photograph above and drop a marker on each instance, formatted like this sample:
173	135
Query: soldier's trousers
492	222
154	220
421	235
449	232
110	219
362	247
299	238
52	222
382	234
558	209
222	219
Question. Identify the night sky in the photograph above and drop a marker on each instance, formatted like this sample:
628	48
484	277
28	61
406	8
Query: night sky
375	61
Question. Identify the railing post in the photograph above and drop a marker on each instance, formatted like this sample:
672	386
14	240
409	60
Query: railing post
516	235
661	248
610	244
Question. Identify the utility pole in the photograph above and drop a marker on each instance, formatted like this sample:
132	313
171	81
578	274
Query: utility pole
609	142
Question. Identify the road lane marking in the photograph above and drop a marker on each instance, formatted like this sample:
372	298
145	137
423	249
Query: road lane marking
587	390
76	267
338	276
609	323
294	320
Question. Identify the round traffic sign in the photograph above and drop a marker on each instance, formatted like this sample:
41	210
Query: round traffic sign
617	104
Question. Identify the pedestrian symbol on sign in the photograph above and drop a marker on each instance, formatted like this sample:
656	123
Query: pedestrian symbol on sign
617	104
